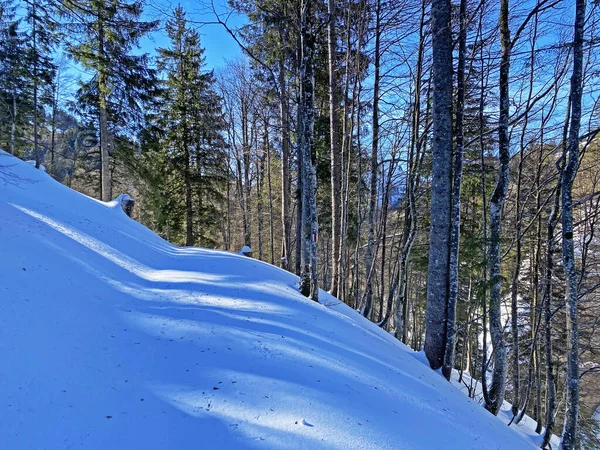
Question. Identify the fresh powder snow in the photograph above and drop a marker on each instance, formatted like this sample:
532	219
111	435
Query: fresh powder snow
112	338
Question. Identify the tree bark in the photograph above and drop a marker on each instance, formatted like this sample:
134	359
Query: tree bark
13	123
570	438
458	168
270	192
309	285
335	150
285	165
105	184
36	149
498	387
369	256
439	234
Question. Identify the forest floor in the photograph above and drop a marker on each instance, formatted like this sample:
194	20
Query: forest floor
110	337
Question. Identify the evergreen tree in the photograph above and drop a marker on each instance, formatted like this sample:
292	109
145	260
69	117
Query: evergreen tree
185	162
41	69
13	79
122	81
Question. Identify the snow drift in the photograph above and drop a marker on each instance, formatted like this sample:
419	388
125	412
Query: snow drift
110	337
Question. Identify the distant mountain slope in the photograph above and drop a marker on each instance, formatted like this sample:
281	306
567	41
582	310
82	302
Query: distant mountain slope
111	338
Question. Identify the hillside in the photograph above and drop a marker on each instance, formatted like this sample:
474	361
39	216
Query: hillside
110	337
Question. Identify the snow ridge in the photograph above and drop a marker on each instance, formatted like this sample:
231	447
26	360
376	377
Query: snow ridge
111	337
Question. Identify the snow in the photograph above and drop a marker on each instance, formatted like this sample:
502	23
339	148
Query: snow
110	337
526	426
32	162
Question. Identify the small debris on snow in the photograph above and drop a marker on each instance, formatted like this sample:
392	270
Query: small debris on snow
304	422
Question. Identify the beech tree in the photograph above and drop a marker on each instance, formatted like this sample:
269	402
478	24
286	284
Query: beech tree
439	230
570	438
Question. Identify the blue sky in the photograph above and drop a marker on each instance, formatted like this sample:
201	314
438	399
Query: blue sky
219	45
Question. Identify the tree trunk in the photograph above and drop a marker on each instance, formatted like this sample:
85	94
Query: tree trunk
335	150
498	387
285	165
13	123
570	439
547	300
309	285
270	192
369	256
106	193
55	95
247	186
259	203
458	166
36	149
439	233
484	244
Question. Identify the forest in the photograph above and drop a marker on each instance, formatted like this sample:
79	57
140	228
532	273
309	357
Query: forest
433	164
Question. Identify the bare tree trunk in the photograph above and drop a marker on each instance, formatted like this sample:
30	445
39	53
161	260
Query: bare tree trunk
484	246
369	256
458	166
55	95
270	191
36	149
246	159
106	193
514	294
547	300
570	439
335	151
285	165
345	164
259	202
299	195
498	387
13	123
309	285
440	229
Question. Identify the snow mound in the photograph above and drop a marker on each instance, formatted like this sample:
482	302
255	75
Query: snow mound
111	337
32	162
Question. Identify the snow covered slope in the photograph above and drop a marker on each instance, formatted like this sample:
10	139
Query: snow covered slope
111	338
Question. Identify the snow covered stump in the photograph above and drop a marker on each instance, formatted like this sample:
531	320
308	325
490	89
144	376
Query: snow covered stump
246	251
127	203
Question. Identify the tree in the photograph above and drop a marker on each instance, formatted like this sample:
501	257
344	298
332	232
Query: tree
441	184
335	150
498	387
570	438
122	80
456	185
42	69
14	74
309	284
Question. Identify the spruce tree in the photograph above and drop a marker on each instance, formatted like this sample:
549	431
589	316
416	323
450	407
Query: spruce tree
41	69
122	81
13	78
184	160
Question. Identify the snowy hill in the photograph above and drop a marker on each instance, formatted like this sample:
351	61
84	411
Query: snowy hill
110	337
